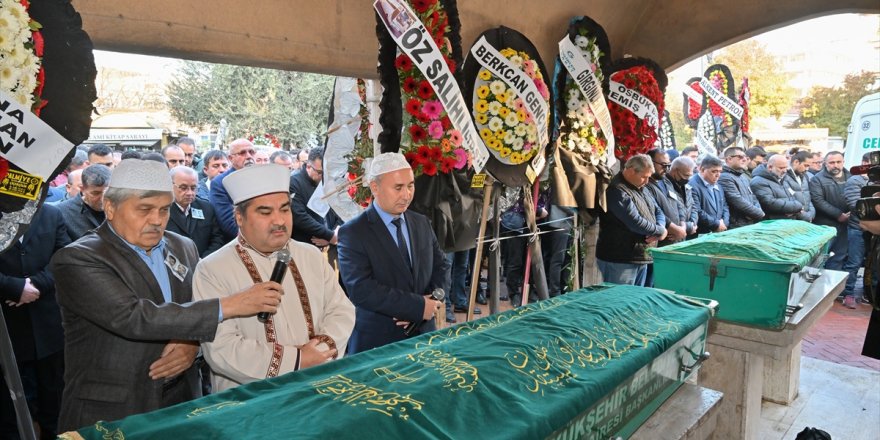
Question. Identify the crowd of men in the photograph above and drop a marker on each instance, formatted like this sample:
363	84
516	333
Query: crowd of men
140	285
656	202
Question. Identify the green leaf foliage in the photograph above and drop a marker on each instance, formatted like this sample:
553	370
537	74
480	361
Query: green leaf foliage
254	101
832	107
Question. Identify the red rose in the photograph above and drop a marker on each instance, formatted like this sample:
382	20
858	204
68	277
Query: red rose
410	85
429	168
417	133
403	62
425	90
413	107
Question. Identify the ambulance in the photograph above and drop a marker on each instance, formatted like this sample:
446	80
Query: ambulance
863	131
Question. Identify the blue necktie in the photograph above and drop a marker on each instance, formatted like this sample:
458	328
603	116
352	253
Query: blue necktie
401	243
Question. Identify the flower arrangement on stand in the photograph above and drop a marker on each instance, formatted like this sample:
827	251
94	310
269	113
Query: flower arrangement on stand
632	134
429	141
726	126
580	132
22	75
693	109
666	139
363	149
501	117
266	140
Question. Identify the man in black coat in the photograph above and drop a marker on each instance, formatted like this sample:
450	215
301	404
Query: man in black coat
826	192
191	217
34	320
85	212
742	203
777	198
308	226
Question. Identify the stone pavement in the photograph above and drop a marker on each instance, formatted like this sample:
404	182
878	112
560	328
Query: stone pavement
838	337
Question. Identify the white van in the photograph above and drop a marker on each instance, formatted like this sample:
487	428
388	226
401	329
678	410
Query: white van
863	131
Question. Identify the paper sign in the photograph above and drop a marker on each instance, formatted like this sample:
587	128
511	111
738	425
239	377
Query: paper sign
27	141
21	185
635	102
413	39
317	203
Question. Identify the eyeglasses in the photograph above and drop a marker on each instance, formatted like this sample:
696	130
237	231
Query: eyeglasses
248	152
187	187
320	172
664	165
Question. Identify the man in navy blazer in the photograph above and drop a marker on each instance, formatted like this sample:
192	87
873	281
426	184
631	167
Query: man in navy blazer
712	212
389	260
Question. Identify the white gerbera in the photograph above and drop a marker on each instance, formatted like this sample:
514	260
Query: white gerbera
511	120
573	103
520	130
517	61
494	107
581	41
497	87
495	124
517	144
509	137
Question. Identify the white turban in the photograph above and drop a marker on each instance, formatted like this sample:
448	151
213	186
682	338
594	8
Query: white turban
255	181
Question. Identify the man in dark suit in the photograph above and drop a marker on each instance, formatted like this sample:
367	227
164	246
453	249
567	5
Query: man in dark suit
85	212
131	331
216	163
241	154
713	214
191	217
308	226
389	260
34	321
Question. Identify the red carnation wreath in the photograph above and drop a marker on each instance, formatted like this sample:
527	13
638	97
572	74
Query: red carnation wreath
632	134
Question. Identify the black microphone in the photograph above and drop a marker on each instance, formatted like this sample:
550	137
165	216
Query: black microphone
283	257
438	294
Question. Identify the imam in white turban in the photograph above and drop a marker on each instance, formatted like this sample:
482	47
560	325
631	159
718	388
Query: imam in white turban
255	181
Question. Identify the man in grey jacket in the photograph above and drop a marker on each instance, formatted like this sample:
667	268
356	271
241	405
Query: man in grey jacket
743	205
826	192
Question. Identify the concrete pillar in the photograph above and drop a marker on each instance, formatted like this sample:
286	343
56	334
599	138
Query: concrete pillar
739	375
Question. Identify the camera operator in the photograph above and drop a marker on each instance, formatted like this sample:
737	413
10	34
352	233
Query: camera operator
872	265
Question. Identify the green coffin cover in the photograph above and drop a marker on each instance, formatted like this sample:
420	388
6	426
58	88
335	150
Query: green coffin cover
775	241
522	374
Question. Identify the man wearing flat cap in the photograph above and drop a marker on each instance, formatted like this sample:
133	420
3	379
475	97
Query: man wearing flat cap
389	259
131	330
315	318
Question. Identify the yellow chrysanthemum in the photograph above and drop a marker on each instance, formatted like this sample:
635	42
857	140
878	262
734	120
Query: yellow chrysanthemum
481	106
485	75
486	134
503	112
504	152
521	115
515	158
500	133
482	118
502	97
495	144
482	92
507	52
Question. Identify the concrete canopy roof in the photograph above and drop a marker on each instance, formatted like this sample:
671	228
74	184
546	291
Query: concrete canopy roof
337	37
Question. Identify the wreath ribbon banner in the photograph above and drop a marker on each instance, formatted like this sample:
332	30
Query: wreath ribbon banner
729	105
635	102
27	141
414	40
579	69
492	60
692	94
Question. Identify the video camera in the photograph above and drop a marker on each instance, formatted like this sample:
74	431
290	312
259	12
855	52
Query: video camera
865	206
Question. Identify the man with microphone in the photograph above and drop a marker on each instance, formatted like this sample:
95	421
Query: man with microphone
390	261
315	319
